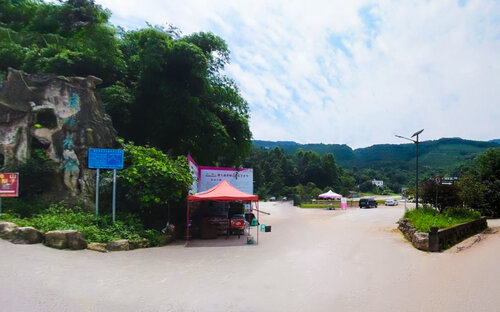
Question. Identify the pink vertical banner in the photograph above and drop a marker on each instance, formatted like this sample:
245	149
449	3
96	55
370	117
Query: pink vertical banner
343	203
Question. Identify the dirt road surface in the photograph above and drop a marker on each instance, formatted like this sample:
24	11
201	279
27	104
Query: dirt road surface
312	260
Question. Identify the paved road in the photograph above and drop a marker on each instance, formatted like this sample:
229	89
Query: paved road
313	260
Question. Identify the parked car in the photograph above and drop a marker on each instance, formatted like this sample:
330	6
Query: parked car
368	202
272	198
391	202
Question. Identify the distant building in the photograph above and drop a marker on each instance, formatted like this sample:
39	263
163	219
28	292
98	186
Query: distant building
353	194
378	183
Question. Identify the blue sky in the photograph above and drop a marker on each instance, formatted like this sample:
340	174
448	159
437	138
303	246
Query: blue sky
351	72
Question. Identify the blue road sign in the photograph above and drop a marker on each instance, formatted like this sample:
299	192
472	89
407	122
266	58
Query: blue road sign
105	158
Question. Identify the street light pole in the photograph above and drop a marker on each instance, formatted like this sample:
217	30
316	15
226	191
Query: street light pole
416	151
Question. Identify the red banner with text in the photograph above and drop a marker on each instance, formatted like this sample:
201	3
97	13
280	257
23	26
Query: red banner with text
9	184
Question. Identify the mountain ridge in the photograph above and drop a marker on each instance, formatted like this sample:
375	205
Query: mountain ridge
441	153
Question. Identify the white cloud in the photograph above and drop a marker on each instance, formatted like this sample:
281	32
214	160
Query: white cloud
353	72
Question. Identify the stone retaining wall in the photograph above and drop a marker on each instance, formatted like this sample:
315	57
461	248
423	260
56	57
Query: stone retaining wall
445	238
419	240
437	240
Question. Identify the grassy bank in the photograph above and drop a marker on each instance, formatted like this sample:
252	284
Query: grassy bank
94	229
424	218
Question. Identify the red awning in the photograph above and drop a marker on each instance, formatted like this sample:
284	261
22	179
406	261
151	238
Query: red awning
223	192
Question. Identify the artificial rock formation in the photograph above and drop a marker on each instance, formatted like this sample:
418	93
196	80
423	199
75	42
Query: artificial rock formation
66	239
101	247
60	115
119	245
20	235
7	230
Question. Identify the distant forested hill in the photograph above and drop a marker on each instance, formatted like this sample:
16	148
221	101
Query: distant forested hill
341	152
446	153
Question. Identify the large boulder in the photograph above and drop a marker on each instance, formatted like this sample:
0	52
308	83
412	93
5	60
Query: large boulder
101	247
7	230
140	243
118	245
66	239
26	235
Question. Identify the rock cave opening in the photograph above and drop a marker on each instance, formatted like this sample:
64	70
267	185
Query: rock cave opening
37	144
46	119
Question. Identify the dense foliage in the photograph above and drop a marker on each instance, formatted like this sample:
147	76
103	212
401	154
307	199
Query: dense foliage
480	186
305	174
37	174
424	218
151	188
151	182
71	38
94	229
440	195
173	96
160	88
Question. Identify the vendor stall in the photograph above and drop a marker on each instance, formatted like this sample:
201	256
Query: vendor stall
218	197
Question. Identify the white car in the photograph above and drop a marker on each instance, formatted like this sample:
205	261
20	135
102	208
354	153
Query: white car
391	202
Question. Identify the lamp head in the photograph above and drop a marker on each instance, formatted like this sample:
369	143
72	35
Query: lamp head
417	133
402	137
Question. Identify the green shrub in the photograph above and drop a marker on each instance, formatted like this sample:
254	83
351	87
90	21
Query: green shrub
151	184
297	200
95	229
35	174
424	218
154	237
462	214
14	219
24	207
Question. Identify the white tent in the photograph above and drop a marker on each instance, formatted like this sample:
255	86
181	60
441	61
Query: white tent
330	194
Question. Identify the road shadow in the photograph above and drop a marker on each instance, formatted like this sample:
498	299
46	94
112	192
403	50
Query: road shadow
221	241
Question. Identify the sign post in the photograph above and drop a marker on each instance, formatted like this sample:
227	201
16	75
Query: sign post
105	158
9	186
114	194
97	193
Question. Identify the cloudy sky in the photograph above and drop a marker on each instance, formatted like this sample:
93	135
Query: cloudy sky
350	72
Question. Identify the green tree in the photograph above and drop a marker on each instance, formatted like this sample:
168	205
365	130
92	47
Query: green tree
473	192
439	195
180	90
480	187
72	38
331	171
151	182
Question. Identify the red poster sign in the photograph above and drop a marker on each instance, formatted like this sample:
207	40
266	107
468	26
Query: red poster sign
9	184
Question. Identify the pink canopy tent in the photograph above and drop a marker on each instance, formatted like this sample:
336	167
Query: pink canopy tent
330	194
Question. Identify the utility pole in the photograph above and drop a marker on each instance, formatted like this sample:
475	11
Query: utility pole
416	141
